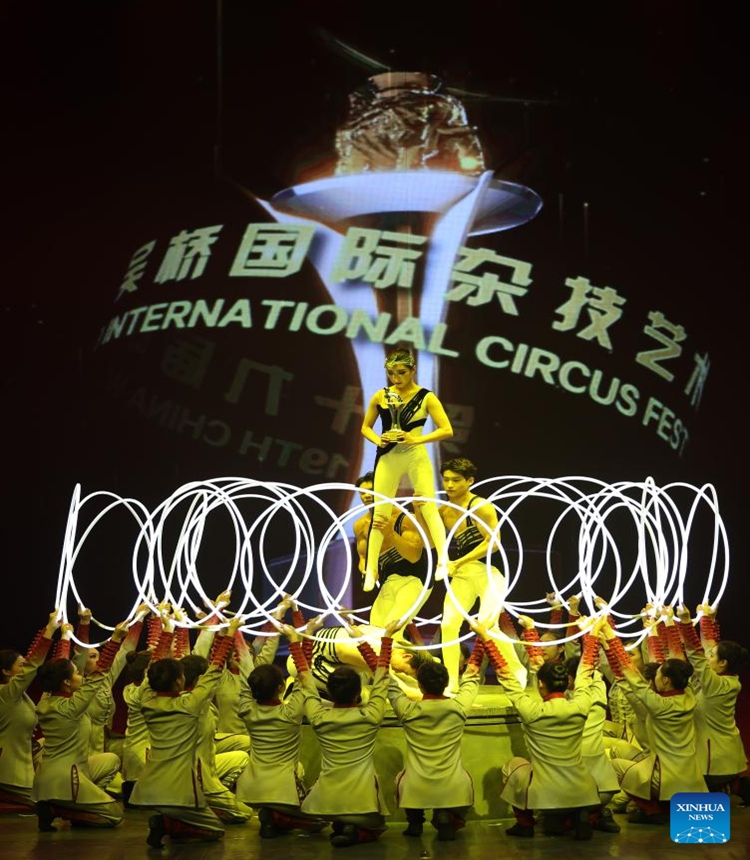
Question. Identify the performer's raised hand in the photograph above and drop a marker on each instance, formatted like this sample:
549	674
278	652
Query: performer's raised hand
391	627
352	629
536	662
291	633
140	613
313	625
223	600
648	615
280	611
53	623
602	629
479	628
120	631
168	621
384	526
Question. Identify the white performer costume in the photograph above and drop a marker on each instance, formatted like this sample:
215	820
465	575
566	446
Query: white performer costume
272	777
434	776
68	776
348	787
592	747
671	764
472	580
170	781
137	744
720	749
401	581
101	711
557	776
396	460
17	723
219	770
231	732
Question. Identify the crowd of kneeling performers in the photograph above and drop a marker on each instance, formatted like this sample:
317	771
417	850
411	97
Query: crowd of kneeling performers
209	733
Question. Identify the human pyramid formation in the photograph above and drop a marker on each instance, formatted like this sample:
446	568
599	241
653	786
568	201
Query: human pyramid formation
222	709
407	545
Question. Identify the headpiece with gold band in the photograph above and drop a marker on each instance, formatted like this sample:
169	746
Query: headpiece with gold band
406	359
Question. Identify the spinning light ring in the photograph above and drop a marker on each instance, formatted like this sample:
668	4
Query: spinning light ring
659	564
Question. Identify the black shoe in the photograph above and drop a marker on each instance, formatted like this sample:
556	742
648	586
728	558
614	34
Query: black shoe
524	830
267	828
349	835
45	817
156	831
415	828
127	790
638	816
582	829
606	822
444	825
552	824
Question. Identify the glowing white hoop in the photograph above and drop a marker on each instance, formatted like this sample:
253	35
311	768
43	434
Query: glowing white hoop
659	564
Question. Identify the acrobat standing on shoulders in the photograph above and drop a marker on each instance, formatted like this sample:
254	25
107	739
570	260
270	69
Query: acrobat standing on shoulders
404	408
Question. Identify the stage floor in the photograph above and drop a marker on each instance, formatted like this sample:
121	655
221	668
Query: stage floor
481	839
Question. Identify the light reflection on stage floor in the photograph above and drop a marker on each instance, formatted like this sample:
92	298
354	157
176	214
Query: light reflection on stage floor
480	839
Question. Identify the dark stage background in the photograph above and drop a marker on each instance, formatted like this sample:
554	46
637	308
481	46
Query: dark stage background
129	122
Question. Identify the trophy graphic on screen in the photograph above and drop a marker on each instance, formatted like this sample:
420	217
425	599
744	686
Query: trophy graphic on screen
403	121
395	405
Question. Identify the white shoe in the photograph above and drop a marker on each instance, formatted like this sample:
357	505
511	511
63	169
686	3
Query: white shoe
370	580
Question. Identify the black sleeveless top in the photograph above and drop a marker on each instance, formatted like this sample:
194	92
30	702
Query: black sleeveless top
391	562
406	419
463	542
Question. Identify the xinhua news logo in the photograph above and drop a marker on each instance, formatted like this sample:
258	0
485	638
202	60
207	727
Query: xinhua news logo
695	817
